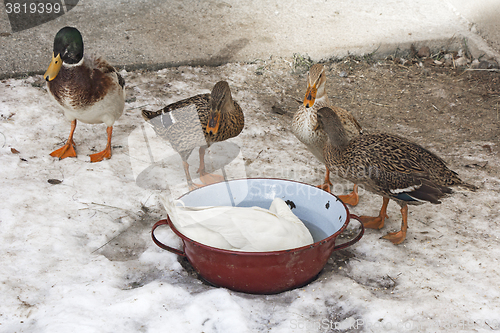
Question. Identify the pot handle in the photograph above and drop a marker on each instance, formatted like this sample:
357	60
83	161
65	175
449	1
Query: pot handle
160	244
355	239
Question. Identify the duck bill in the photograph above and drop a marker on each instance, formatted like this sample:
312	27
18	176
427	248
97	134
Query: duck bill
310	96
54	68
213	122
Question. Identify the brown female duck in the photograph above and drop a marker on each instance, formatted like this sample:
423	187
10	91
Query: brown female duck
87	89
304	122
388	165
198	121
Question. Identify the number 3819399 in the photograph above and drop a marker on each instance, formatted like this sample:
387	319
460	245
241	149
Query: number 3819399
32	8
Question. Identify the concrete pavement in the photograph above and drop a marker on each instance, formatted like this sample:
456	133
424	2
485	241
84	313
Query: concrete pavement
154	34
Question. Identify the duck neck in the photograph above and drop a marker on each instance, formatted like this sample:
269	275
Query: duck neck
68	66
337	137
322	97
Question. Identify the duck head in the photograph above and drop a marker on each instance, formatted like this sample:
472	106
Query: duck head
68	49
220	101
316	79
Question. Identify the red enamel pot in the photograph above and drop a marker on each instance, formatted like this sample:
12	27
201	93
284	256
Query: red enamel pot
324	215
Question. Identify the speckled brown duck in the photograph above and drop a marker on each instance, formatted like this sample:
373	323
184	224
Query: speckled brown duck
388	165
198	121
304	122
88	89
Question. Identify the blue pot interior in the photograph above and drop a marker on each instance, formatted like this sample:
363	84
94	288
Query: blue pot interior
322	212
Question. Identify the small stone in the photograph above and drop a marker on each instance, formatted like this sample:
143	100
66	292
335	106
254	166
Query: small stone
483	65
488	64
461	62
343	74
54	181
277	110
424	52
428	62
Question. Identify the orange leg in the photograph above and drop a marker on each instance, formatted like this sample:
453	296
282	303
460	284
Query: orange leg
106	153
191	185
399	237
351	198
327	183
376	222
207	178
68	150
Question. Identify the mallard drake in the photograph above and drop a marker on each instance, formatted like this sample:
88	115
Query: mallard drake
304	122
88	89
388	165
198	121
250	229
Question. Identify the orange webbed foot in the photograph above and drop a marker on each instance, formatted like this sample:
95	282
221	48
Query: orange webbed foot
373	222
98	157
325	187
194	186
210	178
376	222
396	237
106	153
68	150
352	198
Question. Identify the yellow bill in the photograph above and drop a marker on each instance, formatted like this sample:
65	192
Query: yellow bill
54	67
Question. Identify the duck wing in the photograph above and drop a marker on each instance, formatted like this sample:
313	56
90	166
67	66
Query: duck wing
181	123
398	168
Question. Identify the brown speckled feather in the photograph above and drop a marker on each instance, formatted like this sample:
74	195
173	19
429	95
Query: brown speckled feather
84	85
386	164
184	123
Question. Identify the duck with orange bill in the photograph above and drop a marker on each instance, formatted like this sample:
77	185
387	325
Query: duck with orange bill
388	165
198	121
304	122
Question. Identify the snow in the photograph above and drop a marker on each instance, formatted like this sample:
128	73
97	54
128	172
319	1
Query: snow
77	255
